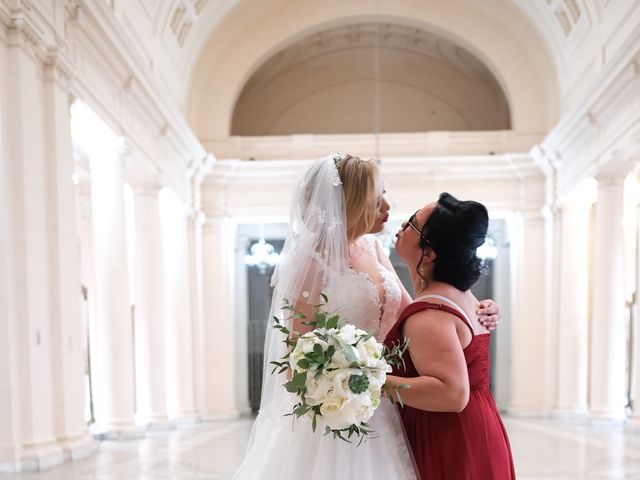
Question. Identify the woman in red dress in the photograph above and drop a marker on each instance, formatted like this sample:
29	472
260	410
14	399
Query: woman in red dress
449	414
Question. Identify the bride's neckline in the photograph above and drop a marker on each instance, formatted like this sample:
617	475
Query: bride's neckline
375	287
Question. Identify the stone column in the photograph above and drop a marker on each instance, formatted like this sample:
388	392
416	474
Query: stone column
529	332
28	429
151	393
573	307
635	346
64	263
179	326
502	294
219	318
112	328
10	347
241	316
608	334
196	221
201	168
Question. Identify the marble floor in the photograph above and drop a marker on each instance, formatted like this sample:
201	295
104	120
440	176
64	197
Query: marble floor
543	449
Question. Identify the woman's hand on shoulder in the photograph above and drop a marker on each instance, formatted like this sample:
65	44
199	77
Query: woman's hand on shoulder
488	313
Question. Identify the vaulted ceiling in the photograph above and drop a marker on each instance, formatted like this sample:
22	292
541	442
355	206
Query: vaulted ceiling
367	76
214	47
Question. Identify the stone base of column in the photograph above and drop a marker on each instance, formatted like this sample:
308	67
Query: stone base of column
186	419
117	431
518	412
632	425
35	457
607	416
570	414
217	416
245	411
75	448
162	426
155	422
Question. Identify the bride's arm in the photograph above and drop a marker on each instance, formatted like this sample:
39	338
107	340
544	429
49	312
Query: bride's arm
436	353
308	311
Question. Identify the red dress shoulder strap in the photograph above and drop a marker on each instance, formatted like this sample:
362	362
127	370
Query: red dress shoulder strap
422	305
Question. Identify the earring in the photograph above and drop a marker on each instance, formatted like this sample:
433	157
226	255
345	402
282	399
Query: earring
423	284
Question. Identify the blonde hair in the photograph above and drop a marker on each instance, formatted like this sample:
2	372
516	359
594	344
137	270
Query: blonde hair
358	178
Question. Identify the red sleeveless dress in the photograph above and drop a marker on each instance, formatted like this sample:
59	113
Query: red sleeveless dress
470	445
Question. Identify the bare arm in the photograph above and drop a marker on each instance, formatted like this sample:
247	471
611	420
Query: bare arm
309	311
443	384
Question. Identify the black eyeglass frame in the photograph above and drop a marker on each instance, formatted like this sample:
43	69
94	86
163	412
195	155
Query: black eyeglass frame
409	223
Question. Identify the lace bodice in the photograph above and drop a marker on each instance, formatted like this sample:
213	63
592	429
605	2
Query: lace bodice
355	297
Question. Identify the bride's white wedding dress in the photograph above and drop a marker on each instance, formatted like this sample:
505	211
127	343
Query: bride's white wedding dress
283	449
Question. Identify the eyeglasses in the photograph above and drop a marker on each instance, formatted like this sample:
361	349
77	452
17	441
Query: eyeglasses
409	223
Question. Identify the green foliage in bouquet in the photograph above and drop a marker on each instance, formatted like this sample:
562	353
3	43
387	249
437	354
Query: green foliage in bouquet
320	362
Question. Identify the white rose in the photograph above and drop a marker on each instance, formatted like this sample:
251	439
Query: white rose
367	355
339	360
375	347
355	409
318	390
341	382
375	384
378	375
347	334
304	345
332	415
310	342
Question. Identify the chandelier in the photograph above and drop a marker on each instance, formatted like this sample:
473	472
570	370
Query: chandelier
261	254
488	250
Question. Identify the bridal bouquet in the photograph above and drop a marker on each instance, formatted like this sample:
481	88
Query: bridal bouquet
337	371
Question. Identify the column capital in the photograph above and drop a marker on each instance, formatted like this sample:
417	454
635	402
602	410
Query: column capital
611	179
58	69
215	223
614	171
199	168
533	214
583	196
197	218
551	211
549	162
146	188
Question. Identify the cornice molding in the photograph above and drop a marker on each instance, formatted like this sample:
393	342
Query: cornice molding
29	25
604	123
58	68
488	167
294	147
510	182
101	26
21	31
155	127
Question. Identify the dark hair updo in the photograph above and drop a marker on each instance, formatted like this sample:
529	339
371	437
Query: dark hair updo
454	230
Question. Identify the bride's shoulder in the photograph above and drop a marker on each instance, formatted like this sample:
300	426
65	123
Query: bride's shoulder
370	241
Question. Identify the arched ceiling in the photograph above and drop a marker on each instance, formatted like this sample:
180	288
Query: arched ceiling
249	32
326	83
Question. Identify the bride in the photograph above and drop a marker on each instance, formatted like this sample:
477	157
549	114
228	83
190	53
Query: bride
339	200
